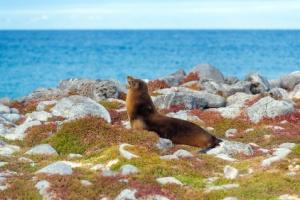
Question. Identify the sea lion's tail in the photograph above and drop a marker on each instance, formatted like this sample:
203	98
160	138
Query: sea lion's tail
216	143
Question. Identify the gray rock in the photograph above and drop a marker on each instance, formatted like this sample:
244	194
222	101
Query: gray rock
42	149
39	115
190	100
290	81
239	99
259	84
279	153
175	78
181	153
230	172
168	180
75	107
231	132
19	132
184	115
208	72
295	94
231	148
164	144
128	169
7	149
278	93
288	197
169	157
127	194
212	86
231	80
275	83
4	109
287	145
230	198
43	105
268	107
126	154
12	117
230	112
59	168
43	94
86	183
240	86
95	89
222	187
43	186
5	100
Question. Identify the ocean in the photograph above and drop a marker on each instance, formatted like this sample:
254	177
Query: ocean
32	59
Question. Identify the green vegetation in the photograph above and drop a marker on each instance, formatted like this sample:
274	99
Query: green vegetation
93	133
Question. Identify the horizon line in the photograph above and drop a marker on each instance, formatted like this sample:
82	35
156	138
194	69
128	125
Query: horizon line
152	29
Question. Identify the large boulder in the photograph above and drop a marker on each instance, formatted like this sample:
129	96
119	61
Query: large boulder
225	89
259	84
279	93
295	94
268	107
44	94
95	89
208	72
18	132
231	148
175	78
57	168
189	99
289	81
239	98
75	107
42	149
4	109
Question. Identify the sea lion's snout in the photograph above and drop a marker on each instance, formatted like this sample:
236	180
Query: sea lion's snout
130	78
130	81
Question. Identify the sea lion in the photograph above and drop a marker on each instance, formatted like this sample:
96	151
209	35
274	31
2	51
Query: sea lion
143	115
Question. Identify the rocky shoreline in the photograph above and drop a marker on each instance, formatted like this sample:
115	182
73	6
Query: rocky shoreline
75	142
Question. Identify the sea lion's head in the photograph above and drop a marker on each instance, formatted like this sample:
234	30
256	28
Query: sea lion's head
136	84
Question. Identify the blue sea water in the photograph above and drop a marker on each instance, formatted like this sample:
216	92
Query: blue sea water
31	59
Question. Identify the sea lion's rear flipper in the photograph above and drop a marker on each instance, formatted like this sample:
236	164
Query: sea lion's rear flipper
216	143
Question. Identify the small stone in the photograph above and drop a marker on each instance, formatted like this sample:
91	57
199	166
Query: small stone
86	183
230	172
126	154
128	169
42	149
169	157
248	130
181	153
164	144
7	149
231	132
127	194
39	115
230	198
222	187
168	180
108	173
59	168
288	197
4	109
287	145
74	155
210	129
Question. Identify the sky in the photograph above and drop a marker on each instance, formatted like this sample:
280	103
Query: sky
149	14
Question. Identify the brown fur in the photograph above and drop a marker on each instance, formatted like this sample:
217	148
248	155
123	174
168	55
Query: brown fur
143	115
